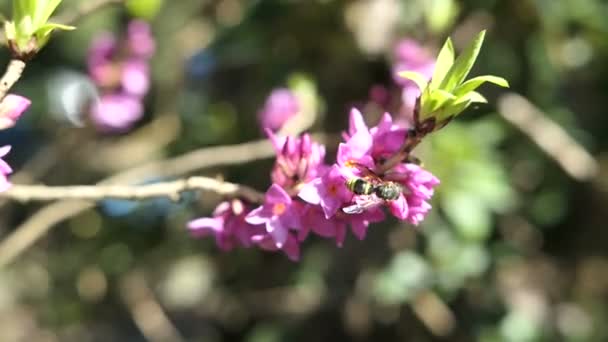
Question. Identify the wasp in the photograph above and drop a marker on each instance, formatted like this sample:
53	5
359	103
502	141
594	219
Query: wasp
376	192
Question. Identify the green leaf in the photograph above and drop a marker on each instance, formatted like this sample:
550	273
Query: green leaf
474	96
416	77
47	28
463	64
44	32
452	109
10	30
445	60
146	9
434	100
23	8
475	82
43	11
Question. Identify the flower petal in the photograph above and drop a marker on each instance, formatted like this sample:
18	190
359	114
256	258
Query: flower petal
399	207
276	194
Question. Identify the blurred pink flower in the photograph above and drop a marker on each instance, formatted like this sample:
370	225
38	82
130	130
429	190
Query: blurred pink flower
120	68
411	56
280	106
140	40
116	112
5	169
11	109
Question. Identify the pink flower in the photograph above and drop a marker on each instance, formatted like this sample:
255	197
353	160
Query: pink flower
5	169
116	112
419	185
359	156
135	78
299	160
228	225
278	213
100	60
328	191
315	221
230	229
411	56
280	106
364	147
291	248
140	40
120	68
387	137
11	109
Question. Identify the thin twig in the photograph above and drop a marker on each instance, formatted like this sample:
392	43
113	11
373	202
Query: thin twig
86	8
548	135
146	311
172	189
11	76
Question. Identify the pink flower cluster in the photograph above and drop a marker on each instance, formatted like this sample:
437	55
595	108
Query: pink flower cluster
11	108
309	196
120	69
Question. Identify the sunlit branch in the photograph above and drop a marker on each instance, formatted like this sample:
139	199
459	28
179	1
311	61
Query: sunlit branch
11	76
172	190
548	135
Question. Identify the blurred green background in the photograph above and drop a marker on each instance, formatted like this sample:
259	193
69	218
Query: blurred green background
512	251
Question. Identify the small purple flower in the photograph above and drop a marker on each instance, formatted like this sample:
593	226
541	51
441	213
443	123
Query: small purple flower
5	169
328	191
411	56
120	68
11	109
278	213
135	78
280	106
228	225
100	60
315	220
291	248
140	40
419	187
336	227
116	112
387	137
298	160
364	147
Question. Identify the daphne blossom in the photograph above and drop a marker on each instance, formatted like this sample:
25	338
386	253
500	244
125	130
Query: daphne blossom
308	196
229	227
11	109
281	105
120	69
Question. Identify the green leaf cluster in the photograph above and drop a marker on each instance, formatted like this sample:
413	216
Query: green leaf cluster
30	30
447	94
